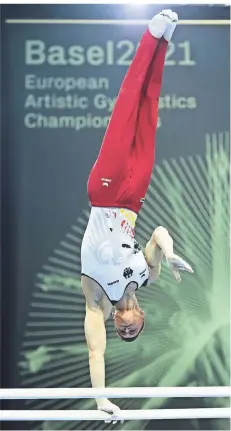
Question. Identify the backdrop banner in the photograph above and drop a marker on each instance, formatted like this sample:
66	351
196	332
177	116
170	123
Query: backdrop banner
62	83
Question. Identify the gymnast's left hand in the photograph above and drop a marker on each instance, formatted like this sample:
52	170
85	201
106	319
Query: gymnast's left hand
176	264
106	406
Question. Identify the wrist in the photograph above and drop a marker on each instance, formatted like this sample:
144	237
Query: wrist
100	401
168	255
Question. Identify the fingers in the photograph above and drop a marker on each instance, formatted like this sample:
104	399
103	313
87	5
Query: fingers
176	275
114	421
179	264
188	268
114	416
184	266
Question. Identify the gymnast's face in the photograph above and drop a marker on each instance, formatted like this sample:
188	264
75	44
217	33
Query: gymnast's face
129	323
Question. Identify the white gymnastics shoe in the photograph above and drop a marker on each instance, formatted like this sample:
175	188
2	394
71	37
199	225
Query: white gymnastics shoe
172	25
163	24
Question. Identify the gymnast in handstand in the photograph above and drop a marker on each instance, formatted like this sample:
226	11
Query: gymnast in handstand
113	264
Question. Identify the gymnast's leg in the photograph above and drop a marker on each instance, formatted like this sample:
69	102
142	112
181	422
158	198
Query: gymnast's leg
111	169
143	153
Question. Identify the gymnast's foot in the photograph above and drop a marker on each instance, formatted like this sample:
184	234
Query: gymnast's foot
163	24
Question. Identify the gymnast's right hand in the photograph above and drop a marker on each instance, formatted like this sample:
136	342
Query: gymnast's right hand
106	406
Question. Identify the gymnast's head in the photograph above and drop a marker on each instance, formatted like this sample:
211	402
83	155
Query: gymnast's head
129	323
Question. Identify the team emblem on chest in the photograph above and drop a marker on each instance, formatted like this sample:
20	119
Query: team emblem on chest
128	273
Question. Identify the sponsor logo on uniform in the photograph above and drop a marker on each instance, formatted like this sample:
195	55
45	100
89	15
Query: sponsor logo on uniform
106	182
113	282
142	273
128	273
137	247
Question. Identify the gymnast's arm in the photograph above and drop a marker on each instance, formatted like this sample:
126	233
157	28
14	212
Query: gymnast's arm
95	333
159	245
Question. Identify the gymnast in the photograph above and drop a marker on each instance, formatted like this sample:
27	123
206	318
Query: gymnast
113	264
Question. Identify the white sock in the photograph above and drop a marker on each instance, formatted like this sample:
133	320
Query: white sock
171	27
158	25
163	24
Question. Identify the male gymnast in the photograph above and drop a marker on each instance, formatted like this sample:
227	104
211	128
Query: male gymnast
113	264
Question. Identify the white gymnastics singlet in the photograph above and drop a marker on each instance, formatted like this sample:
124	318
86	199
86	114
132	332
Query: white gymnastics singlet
110	254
